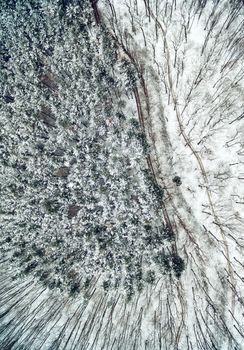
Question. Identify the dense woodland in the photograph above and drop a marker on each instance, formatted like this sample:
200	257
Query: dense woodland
102	244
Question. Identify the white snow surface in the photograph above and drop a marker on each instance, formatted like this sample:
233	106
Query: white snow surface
192	109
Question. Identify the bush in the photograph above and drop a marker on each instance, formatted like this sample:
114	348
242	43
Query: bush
168	233
74	288
157	190
177	180
150	277
31	266
178	265
163	260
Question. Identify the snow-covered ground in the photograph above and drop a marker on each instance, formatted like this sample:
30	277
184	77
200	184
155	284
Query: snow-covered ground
188	98
190	60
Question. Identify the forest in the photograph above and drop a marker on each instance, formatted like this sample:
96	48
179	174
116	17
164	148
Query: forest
121	175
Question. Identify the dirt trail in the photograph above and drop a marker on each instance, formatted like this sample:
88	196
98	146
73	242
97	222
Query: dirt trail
176	209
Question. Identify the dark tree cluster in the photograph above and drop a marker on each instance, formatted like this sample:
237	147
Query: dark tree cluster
77	199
